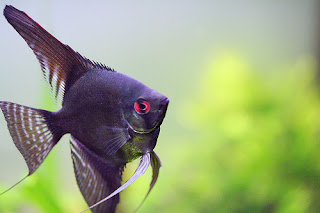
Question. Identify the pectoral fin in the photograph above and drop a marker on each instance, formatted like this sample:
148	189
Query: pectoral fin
113	138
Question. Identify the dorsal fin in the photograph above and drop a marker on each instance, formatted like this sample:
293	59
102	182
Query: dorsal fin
61	65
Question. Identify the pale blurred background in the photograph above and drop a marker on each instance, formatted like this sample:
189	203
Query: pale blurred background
242	129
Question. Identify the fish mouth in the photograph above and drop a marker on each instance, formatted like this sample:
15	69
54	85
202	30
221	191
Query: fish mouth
146	131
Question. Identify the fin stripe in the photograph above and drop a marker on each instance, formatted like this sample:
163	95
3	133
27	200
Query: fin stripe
54	81
77	154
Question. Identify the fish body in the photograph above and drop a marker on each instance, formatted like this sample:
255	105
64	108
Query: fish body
99	108
112	118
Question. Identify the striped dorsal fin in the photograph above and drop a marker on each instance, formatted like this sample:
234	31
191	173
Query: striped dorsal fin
61	65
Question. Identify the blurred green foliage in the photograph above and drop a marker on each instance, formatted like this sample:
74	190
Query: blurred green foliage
254	144
250	145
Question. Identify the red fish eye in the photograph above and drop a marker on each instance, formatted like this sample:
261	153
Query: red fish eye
142	106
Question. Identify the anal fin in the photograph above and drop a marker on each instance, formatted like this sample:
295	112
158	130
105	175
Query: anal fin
96	177
141	169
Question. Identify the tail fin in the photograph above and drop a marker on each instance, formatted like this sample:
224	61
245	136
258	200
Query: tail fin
33	132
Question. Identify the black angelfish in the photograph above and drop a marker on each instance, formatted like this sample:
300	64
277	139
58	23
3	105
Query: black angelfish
112	118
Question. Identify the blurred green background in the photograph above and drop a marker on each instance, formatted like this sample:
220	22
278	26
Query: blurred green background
242	129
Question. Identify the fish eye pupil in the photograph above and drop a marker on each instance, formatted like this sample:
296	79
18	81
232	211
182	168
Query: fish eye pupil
142	106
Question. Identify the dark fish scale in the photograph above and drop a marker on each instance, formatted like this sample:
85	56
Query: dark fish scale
98	110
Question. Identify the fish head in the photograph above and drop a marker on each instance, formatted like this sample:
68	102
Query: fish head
144	108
